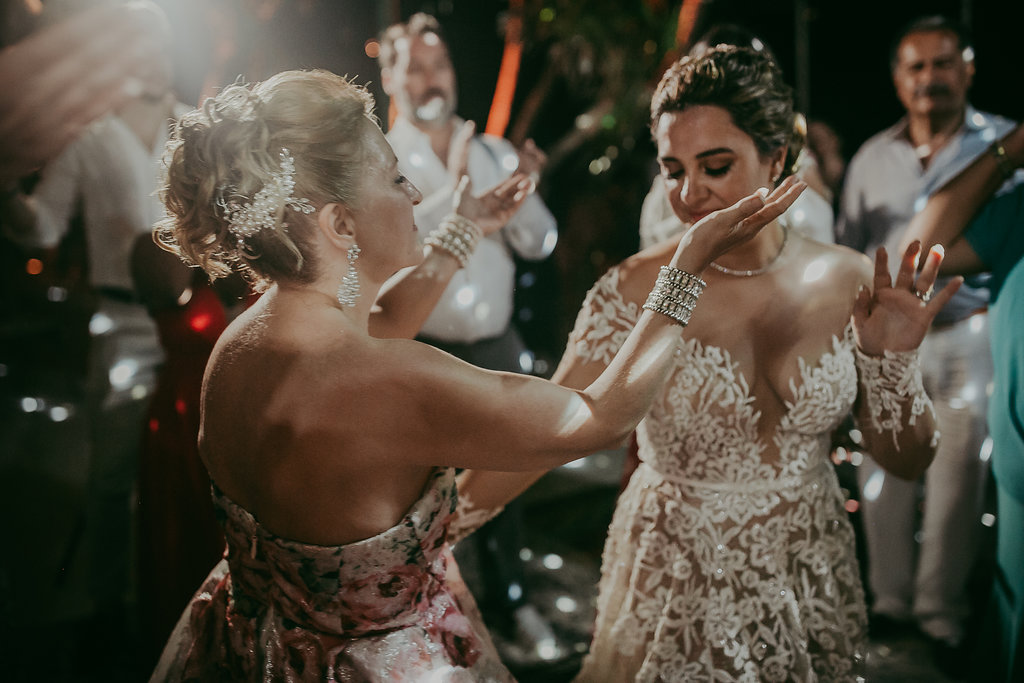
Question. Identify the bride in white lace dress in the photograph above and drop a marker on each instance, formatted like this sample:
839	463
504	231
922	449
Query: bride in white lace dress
730	556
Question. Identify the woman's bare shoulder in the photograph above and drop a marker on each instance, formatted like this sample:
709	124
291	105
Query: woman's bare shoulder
636	275
838	264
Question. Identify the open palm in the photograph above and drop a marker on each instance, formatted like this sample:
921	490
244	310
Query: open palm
896	316
493	208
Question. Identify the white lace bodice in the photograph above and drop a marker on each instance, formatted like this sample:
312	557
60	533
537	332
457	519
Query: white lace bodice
730	557
705	425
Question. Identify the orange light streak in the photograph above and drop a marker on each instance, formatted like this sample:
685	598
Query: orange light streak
508	73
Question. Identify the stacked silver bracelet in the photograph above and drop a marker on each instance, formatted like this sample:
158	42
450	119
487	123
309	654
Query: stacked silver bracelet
457	235
675	294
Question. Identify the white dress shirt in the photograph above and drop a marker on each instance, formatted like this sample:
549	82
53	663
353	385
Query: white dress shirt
885	186
478	301
110	177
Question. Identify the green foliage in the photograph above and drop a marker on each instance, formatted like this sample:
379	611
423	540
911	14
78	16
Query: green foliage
609	53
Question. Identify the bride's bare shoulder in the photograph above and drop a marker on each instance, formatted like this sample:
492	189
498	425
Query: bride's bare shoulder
835	263
636	275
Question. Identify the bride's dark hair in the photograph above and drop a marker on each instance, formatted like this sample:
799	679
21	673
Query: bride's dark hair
746	83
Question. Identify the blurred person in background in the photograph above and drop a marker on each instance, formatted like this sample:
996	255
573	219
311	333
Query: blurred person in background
104	180
926	583
473	319
979	217
55	81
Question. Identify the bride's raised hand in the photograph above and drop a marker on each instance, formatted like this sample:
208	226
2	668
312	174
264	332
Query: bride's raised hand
493	208
721	230
896	316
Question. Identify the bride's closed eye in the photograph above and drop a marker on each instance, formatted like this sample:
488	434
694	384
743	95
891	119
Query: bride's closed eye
717	171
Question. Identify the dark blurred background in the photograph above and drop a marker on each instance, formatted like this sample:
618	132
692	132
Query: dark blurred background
582	89
583	86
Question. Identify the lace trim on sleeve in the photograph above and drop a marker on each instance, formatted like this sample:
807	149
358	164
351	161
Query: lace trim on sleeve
468	518
890	382
604	321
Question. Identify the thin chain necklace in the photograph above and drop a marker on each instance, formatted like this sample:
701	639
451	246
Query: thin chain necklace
755	271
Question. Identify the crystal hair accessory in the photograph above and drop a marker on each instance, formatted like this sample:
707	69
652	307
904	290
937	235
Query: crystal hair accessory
247	219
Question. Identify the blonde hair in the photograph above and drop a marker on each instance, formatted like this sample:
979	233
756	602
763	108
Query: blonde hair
229	148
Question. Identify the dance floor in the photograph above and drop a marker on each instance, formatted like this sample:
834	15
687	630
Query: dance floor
566	515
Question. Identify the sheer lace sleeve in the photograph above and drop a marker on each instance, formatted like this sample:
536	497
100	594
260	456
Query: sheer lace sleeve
891	383
468	517
604	321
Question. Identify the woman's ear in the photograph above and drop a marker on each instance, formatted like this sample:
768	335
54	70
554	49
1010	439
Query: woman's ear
337	224
778	163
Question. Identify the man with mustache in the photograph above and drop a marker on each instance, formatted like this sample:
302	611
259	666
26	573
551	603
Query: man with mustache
888	180
473	319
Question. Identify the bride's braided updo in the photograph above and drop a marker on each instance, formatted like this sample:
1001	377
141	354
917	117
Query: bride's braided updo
232	150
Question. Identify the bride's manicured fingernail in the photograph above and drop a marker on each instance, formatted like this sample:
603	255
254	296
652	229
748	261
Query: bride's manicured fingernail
762	192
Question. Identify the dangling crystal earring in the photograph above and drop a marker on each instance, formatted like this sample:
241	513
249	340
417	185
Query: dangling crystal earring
348	290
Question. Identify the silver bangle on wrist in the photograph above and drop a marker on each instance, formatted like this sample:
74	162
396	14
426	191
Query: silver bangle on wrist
675	294
457	236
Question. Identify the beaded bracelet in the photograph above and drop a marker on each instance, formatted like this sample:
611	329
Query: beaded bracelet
457	235
675	294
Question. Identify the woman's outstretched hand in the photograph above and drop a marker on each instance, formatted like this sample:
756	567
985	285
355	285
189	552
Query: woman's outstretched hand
895	317
721	230
493	208
59	79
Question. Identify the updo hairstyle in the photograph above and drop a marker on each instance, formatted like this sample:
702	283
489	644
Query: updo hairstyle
227	150
746	83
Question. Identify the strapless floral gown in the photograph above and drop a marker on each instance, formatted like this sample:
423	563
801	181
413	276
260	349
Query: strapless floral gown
389	608
730	557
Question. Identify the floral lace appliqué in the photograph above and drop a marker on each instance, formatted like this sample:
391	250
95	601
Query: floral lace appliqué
468	518
604	321
889	382
730	556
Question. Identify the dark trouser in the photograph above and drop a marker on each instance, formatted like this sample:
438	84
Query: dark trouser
497	544
116	415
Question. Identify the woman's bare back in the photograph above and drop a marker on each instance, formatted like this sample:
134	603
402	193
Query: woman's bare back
284	434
